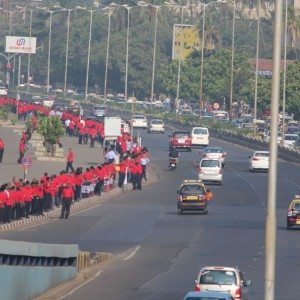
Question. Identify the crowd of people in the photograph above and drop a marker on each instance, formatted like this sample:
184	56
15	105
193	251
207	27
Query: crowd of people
125	162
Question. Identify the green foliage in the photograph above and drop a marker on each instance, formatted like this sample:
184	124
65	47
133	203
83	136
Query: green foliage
51	129
4	112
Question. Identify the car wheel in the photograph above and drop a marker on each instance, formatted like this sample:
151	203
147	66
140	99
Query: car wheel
205	212
288	226
179	212
190	149
220	183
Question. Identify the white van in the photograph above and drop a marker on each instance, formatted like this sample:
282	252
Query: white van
200	136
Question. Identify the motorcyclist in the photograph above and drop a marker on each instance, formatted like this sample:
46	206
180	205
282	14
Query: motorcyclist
173	154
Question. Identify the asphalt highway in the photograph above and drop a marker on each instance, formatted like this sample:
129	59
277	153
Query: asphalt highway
158	253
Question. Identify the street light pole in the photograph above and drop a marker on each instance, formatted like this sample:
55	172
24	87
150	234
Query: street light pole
232	59
179	64
284	73
154	52
67	50
270	249
127	48
109	14
49	51
256	65
88	58
29	53
202	60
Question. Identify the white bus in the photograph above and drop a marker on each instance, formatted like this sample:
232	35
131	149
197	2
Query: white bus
220	115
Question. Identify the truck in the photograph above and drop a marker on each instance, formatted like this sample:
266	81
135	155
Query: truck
112	128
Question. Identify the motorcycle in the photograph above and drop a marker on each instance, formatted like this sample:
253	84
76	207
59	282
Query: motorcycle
173	163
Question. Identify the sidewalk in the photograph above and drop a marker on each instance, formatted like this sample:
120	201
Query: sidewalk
84	156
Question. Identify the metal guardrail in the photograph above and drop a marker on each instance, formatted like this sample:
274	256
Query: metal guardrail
288	154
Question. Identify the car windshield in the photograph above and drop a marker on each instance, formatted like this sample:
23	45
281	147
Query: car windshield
205	298
160	122
221	277
261	154
200	131
213	150
296	206
290	137
210	163
191	189
181	135
139	117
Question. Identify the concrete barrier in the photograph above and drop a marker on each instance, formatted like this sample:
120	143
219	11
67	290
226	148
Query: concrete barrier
29	269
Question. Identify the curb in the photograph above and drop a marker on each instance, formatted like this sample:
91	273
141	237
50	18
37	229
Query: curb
77	206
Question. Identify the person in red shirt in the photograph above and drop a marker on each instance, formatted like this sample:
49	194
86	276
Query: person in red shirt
136	174
21	150
70	160
67	198
93	136
2	146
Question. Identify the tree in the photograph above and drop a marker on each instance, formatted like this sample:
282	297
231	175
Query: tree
51	129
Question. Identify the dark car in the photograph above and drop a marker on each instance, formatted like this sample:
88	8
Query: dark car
193	196
181	140
293	215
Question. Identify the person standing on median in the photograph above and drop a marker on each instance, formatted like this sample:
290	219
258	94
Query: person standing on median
67	198
70	160
2	145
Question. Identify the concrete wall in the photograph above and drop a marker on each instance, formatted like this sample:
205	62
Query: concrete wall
29	269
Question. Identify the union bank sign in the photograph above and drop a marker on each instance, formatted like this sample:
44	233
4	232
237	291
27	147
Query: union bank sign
20	44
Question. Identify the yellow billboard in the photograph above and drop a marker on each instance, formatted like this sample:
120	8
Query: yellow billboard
185	41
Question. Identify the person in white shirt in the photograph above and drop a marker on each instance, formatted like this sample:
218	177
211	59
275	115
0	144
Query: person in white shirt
144	162
110	156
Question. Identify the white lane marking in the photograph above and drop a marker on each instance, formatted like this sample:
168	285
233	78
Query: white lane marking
80	285
47	222
133	253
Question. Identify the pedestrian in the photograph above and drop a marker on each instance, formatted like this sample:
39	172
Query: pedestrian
70	160
144	162
2	145
22	148
110	156
67	198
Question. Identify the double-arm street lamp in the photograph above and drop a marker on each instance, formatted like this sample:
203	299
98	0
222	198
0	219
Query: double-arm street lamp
204	5
109	10
91	11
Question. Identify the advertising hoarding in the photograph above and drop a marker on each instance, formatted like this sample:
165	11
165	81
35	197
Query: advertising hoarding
20	44
185	41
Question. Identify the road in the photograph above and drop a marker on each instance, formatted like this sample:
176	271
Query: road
157	253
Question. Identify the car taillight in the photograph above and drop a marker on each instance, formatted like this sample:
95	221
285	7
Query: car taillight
179	198
290	212
200	170
255	158
223	155
221	171
238	293
197	287
204	155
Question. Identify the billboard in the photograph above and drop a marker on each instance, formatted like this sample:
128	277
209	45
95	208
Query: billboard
185	41
20	44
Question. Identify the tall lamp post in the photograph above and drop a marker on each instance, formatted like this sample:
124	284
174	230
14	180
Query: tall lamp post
204	5
109	11
128	8
67	48
29	53
232	59
256	65
284	73
89	49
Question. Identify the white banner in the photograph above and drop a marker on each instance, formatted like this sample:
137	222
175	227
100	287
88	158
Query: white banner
20	44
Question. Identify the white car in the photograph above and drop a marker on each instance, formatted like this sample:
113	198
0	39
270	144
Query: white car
139	121
214	153
223	279
259	161
200	136
290	139
210	170
99	111
156	125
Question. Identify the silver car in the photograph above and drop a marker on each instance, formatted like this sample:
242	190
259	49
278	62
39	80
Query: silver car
210	170
214	153
223	279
